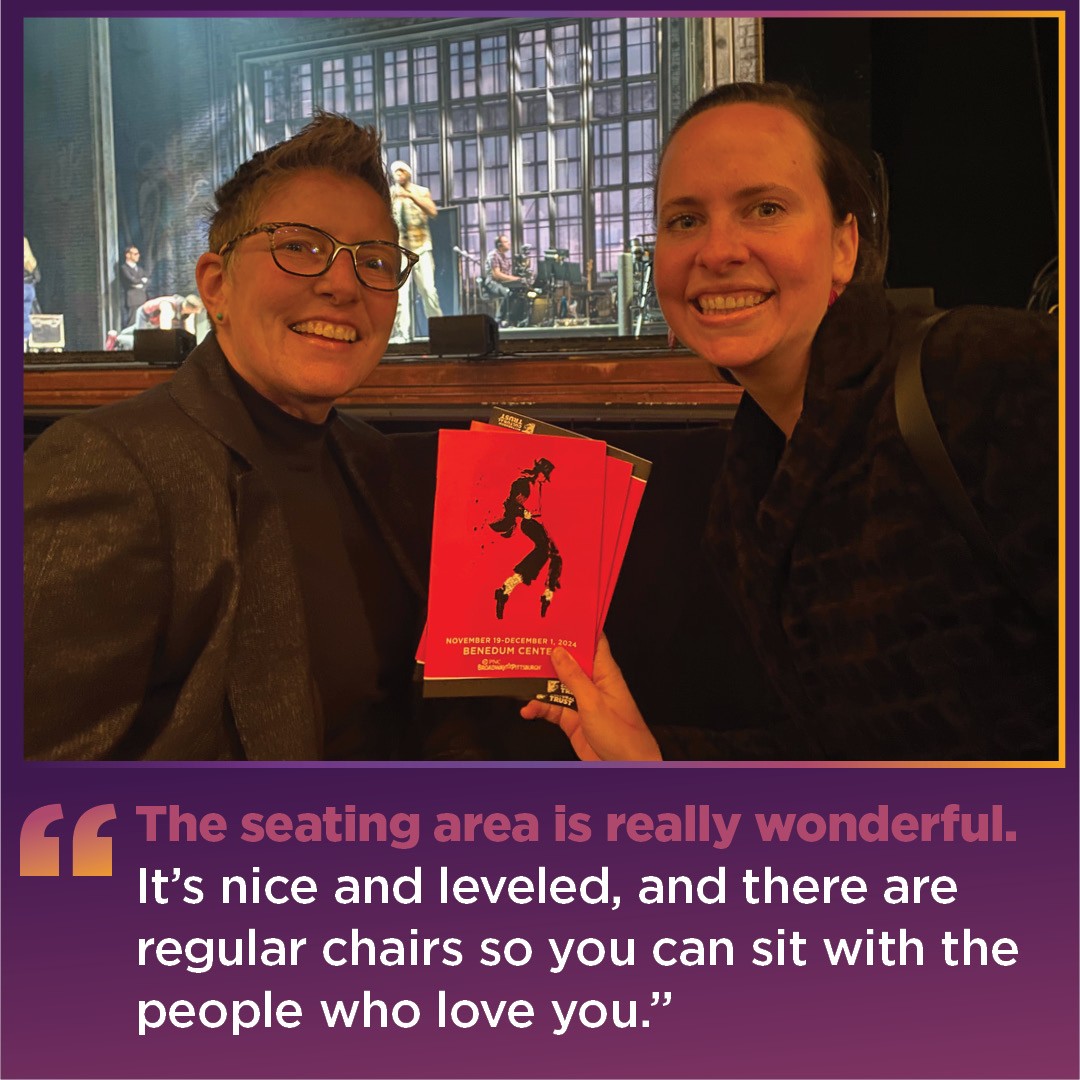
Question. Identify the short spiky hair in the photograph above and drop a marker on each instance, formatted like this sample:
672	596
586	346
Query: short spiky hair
330	142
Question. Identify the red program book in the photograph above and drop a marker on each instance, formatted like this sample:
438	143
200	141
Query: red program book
516	563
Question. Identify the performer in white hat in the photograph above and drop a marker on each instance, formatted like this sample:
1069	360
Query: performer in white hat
413	206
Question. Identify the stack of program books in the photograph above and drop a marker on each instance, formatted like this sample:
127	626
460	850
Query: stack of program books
531	526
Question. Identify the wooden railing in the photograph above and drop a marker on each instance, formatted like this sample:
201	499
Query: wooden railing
613	384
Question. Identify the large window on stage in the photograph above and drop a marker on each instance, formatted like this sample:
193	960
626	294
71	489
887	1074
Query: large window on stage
542	129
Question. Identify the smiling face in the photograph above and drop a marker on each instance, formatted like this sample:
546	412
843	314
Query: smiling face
303	342
747	250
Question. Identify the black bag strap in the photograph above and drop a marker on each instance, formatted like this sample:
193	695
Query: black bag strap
920	432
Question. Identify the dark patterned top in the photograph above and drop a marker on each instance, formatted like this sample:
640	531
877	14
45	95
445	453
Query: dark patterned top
885	636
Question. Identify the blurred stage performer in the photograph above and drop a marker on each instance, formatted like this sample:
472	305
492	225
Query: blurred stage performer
134	279
499	277
31	277
160	313
413	208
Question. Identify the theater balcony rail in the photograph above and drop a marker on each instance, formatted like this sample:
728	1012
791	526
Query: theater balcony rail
626	382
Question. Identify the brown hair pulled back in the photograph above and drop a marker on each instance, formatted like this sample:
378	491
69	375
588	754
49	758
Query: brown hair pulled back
847	183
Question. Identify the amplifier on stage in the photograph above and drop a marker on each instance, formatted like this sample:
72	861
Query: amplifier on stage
46	333
163	348
475	336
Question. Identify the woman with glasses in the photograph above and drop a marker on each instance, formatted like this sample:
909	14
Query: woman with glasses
225	566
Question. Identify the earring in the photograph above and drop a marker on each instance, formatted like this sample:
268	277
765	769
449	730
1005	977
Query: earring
833	297
221	315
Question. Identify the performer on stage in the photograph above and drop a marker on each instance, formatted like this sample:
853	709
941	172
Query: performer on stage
134	279
168	312
499	276
31	277
413	206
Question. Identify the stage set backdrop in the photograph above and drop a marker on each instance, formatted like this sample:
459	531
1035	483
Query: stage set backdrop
543	128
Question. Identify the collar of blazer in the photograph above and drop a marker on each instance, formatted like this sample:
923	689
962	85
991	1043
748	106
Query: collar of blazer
203	389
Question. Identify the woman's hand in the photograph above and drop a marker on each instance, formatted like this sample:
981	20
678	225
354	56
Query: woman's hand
606	726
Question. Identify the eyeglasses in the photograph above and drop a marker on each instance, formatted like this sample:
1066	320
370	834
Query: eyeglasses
308	252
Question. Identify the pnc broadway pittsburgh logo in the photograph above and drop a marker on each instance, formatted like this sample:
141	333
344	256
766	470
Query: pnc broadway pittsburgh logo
91	853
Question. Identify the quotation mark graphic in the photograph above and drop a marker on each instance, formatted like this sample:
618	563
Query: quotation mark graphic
91	853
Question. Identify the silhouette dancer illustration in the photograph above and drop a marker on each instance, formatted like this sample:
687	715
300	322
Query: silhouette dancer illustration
523	505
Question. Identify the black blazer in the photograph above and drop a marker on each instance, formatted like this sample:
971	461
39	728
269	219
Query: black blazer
163	615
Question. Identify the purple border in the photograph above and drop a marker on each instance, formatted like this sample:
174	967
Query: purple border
70	978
